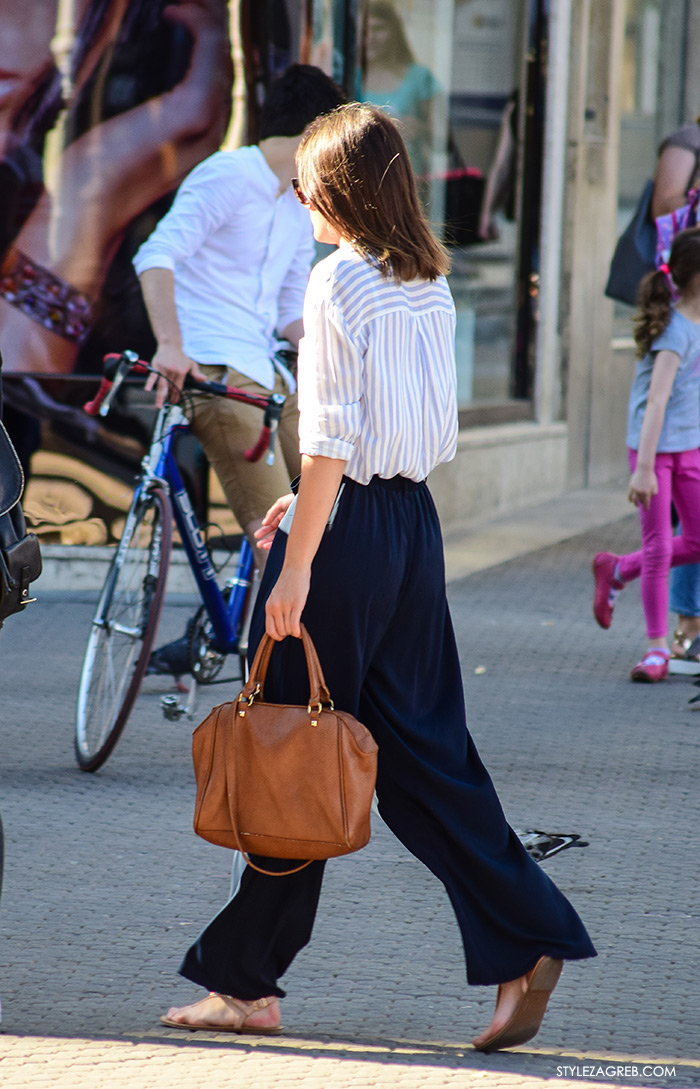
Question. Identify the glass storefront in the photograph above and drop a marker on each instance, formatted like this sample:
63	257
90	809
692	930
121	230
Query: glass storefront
451	72
653	79
110	103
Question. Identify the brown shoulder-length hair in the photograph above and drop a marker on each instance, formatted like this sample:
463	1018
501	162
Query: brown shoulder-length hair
654	296
354	168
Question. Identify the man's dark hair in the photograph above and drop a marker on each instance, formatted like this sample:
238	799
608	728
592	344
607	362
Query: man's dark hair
296	98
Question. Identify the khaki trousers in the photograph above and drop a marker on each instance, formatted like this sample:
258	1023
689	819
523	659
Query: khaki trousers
226	429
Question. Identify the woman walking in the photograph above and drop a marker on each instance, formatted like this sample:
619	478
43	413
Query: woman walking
358	555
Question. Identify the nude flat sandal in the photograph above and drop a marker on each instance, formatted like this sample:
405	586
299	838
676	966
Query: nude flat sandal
525	1021
243	1011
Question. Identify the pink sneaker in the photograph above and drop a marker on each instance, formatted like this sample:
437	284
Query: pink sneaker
607	587
652	668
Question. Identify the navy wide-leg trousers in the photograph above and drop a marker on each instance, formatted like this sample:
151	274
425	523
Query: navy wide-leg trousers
378	614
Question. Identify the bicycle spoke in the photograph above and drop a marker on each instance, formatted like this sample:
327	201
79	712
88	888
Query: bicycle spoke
123	630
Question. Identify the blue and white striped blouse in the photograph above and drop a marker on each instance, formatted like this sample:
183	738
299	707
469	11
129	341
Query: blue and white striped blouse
377	379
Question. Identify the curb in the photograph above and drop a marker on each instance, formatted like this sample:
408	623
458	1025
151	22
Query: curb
84	567
469	548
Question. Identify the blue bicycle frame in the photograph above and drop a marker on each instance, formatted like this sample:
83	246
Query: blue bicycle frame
160	467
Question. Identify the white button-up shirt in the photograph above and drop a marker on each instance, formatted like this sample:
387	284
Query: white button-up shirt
377	377
240	254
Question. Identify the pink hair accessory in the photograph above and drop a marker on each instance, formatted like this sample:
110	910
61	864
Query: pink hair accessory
665	270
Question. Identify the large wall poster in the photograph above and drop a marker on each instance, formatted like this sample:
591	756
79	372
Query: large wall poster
105	106
91	153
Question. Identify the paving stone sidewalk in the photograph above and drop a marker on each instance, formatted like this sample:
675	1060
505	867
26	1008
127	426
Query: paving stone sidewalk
105	884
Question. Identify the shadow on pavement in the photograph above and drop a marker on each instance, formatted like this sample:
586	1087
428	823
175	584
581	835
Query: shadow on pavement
601	1069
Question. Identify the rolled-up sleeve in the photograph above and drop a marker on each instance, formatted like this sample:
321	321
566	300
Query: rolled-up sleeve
202	204
330	378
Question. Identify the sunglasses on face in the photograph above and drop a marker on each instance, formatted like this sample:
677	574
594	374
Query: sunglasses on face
300	194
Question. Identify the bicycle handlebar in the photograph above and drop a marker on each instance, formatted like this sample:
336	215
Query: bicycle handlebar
117	365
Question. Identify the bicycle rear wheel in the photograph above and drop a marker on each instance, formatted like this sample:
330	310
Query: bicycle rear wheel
123	629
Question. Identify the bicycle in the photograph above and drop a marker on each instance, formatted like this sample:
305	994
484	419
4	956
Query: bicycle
131	601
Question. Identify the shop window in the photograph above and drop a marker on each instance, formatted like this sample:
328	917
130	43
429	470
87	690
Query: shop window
653	78
450	72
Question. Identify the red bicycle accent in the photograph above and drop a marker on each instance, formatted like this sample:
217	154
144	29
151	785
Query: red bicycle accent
118	365
93	407
257	451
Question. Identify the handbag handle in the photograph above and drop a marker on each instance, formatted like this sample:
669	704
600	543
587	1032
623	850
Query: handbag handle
230	751
318	689
274	873
11	475
318	695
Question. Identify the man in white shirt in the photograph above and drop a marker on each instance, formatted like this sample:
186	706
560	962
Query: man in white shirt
223	278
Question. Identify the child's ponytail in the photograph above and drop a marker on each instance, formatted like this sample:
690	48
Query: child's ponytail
653	310
657	288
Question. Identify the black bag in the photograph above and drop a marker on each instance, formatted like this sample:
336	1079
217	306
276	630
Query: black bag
20	557
634	253
464	193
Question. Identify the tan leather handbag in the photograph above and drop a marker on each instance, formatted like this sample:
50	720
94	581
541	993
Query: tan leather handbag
284	781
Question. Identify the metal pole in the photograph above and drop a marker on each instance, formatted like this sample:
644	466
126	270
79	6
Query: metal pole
547	355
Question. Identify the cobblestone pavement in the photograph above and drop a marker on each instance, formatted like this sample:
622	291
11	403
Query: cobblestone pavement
105	883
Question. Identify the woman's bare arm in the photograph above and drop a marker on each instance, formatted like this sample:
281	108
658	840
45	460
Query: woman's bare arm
318	489
674	173
643	484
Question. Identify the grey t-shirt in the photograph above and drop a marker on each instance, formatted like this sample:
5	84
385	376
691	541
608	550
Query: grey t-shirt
681	427
687	138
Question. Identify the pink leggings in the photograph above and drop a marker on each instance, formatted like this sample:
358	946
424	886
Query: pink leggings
678	477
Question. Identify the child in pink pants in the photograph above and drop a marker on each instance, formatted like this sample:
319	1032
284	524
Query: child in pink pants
663	436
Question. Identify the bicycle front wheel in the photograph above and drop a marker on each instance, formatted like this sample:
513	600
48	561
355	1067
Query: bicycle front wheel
123	629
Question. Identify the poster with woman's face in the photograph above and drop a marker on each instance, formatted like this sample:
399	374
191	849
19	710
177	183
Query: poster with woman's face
105	107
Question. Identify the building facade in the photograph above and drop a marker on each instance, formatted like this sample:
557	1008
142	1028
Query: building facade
532	126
